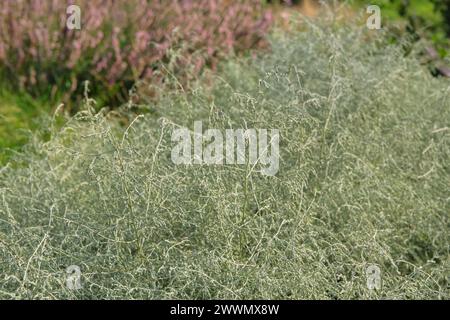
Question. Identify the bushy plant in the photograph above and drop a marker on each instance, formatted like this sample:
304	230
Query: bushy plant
120	42
364	171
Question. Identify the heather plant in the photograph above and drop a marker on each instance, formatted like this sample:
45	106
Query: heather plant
362	185
120	42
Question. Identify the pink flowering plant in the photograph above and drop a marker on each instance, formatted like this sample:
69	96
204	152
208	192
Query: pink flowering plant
120	42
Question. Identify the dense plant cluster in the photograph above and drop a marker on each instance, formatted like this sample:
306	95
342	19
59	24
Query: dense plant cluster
119	41
363	179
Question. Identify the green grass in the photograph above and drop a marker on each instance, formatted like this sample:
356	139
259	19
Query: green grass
364	173
18	114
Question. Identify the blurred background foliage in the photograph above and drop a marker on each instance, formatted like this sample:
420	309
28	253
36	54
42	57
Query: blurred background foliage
119	45
42	64
426	18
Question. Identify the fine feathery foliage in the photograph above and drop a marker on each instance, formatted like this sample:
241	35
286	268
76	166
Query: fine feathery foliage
363	179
